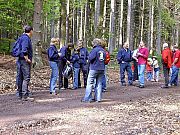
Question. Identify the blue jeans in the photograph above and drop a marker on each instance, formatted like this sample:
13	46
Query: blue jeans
54	75
24	78
141	71
94	74
104	79
149	76
76	77
174	75
126	67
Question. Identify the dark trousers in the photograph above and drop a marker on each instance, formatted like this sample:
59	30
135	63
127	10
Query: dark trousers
23	78
166	74
135	74
63	82
84	69
126	67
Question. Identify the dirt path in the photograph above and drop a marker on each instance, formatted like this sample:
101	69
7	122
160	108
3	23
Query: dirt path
124	110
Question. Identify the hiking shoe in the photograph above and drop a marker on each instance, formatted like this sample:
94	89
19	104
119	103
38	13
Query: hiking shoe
141	86
28	99
164	86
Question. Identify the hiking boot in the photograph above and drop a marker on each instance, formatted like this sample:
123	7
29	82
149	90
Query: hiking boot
28	99
164	86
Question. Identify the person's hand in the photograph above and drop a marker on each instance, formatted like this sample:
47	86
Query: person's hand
27	59
68	62
139	54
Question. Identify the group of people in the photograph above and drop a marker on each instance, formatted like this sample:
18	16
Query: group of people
142	62
93	66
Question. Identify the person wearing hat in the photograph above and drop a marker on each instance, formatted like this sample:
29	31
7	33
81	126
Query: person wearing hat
96	71
175	67
25	61
155	69
167	63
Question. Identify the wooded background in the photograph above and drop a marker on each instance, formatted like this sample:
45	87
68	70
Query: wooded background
117	21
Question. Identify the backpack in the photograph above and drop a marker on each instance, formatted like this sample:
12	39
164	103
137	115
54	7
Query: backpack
68	71
16	48
107	59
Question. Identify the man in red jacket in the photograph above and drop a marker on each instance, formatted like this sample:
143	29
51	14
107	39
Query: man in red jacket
167	63
175	67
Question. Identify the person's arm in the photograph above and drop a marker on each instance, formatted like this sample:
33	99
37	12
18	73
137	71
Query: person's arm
119	56
176	58
92	55
24	49
52	53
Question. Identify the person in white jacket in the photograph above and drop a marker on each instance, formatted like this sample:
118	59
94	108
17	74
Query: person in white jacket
155	69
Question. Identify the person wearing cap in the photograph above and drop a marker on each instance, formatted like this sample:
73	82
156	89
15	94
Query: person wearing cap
167	63
24	61
142	57
96	71
53	57
83	58
65	56
155	69
175	67
124	57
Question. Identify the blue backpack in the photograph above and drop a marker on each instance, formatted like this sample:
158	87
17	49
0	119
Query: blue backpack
16	48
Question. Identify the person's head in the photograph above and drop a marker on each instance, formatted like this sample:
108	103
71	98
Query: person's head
103	43
96	42
141	44
28	30
126	45
154	57
70	46
80	43
54	41
175	47
165	45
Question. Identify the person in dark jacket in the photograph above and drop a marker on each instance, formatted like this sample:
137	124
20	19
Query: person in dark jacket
65	56
97	66
124	57
76	68
24	61
53	57
83	57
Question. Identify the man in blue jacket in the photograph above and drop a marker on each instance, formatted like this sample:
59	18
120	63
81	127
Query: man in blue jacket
83	57
124	57
97	66
25	60
65	55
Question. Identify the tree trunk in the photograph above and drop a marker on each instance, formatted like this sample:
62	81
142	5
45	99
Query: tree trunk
81	24
158	43
37	34
112	28
152	25
121	24
85	24
131	41
67	22
104	18
97	14
128	21
142	20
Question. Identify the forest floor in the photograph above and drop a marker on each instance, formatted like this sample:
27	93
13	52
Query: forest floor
123	111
